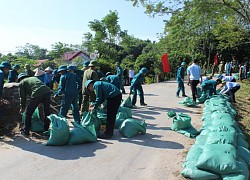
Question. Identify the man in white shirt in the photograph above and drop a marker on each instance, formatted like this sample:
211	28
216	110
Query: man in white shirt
194	77
227	78
230	89
131	74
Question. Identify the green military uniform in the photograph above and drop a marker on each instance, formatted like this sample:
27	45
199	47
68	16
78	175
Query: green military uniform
89	74
39	93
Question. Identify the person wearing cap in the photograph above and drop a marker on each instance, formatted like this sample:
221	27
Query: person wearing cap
89	74
68	89
79	76
28	71
13	74
39	93
230	88
194	77
180	80
5	67
113	79
119	73
40	75
136	85
105	91
210	86
48	76
226	78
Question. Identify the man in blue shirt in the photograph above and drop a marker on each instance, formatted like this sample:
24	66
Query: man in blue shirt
105	91
180	80
194	77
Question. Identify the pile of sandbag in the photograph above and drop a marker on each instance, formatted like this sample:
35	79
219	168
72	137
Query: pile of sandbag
220	151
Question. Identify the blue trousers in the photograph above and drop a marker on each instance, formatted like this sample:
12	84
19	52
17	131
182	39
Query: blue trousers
70	102
141	94
180	88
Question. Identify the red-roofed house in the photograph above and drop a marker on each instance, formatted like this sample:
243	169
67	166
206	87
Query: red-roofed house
69	56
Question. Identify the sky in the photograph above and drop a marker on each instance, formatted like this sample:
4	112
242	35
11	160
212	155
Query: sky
44	22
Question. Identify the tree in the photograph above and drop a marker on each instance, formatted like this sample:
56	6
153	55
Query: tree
58	49
31	51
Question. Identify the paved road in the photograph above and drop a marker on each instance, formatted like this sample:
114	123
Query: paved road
157	155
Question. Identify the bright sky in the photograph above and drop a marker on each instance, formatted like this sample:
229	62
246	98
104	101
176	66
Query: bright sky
44	22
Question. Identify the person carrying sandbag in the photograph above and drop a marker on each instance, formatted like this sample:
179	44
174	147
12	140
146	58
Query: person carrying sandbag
39	93
105	91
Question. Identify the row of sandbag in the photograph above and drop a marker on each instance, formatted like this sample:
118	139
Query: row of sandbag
220	151
89	128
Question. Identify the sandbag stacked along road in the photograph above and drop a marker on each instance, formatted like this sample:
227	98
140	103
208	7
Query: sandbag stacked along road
220	151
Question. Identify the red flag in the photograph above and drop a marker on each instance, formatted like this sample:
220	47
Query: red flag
165	63
216	62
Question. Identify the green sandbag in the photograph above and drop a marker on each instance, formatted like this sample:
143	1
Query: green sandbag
222	138
191	171
102	117
201	140
218	158
120	117
225	122
171	114
80	134
189	132
244	175
236	76
202	98
92	119
132	127
59	133
126	111
188	101
244	153
127	102
242	142
181	121
219	128
36	121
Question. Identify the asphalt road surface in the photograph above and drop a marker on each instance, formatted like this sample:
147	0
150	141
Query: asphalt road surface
156	155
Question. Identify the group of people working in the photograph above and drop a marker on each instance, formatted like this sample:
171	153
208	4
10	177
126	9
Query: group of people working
194	74
87	87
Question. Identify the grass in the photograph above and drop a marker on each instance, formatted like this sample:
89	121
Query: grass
243	107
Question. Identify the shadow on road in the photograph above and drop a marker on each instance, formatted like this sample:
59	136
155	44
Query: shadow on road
67	152
152	140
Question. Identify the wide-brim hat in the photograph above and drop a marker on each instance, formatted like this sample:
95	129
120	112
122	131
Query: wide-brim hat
72	68
183	63
39	73
62	68
88	82
21	75
16	66
5	64
54	71
48	69
86	63
93	63
143	70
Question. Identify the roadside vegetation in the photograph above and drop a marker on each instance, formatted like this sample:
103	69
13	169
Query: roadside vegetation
243	107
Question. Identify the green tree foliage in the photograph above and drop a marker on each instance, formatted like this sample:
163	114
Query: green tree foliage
31	51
